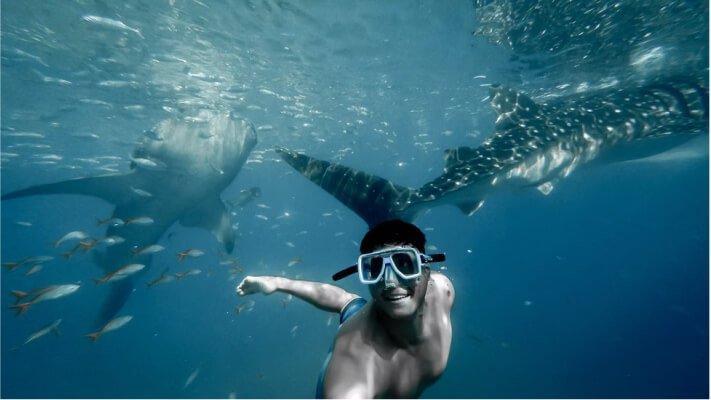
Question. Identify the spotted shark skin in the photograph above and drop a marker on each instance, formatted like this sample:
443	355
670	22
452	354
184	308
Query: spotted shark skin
194	162
533	145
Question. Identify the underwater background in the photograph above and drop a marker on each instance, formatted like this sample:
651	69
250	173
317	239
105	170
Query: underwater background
598	289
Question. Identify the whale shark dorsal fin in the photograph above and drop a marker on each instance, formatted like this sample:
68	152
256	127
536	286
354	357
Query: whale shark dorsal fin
373	198
512	107
211	214
111	188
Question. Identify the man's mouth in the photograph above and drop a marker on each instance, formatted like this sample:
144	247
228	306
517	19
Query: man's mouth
395	297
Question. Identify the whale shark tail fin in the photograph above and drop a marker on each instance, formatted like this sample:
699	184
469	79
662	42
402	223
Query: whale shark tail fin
373	198
108	187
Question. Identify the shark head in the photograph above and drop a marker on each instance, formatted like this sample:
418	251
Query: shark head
204	145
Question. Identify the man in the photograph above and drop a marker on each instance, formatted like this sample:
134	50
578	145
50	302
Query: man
395	345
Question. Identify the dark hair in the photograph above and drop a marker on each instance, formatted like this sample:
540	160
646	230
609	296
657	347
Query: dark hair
393	232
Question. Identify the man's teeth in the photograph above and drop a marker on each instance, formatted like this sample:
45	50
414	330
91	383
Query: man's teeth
396	296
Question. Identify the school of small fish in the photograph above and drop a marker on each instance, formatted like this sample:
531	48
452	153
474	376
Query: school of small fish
81	241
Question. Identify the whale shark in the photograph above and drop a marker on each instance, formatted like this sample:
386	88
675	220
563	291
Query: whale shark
534	144
177	174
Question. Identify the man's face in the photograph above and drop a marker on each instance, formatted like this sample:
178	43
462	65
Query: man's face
397	297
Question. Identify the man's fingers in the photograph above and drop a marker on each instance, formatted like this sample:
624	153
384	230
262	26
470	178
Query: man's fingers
240	289
247	286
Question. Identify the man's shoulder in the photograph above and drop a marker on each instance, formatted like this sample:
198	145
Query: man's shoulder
443	286
441	280
353	328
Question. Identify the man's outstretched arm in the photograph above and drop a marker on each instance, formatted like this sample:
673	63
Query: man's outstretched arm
322	295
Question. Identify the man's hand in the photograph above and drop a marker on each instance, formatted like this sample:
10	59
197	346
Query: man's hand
256	284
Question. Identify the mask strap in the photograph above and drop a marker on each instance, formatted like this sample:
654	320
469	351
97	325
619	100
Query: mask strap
345	272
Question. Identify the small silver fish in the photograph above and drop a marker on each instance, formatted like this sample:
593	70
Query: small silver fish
42	294
294	261
246	307
141	192
229	261
112	240
190	253
53	327
33	270
73	235
190	272
111	221
25	135
163	278
85	245
152	249
286	214
37	259
191	378
12	265
49	157
121	273
140	221
247	195
236	269
110	326
287	300
110	23
148	164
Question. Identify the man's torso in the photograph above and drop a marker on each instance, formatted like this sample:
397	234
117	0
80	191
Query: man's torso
389	369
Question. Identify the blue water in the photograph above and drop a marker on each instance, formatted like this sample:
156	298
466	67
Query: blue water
600	289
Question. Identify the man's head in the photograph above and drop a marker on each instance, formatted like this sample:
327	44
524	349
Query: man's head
392	232
397	297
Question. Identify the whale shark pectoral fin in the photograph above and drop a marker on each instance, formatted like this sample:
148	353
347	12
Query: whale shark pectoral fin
470	207
653	148
111	188
373	198
212	215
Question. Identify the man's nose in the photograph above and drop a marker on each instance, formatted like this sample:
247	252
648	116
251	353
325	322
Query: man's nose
389	277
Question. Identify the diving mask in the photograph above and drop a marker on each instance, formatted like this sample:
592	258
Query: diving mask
406	262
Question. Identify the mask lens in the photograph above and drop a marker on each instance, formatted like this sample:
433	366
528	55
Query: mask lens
373	266
405	262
